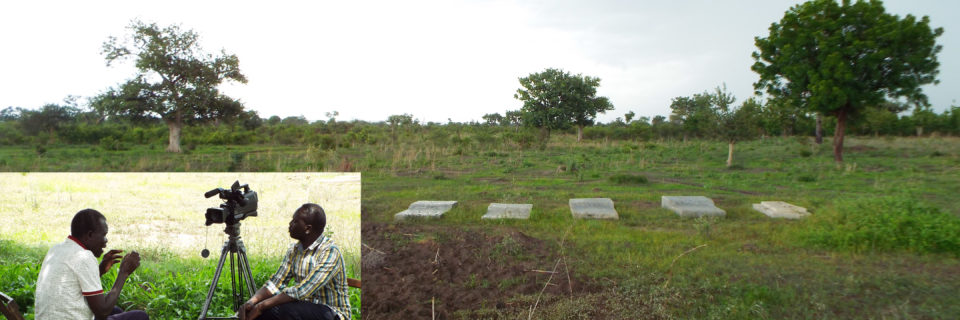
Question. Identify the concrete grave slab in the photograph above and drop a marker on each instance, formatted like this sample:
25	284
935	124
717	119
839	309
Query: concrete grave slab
593	208
691	206
508	211
426	209
780	209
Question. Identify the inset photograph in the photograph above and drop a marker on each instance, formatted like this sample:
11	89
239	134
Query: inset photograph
180	245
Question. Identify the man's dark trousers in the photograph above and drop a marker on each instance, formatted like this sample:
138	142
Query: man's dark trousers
299	310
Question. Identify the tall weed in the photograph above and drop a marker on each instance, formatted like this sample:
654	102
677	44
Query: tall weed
885	224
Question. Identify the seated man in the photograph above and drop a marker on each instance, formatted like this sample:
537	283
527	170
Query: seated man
315	264
69	287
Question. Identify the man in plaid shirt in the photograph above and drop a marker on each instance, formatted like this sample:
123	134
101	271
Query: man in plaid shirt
315	264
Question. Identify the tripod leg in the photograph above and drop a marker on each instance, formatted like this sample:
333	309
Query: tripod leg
233	284
213	283
245	270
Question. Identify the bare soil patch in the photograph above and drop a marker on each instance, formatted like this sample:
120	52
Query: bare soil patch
417	272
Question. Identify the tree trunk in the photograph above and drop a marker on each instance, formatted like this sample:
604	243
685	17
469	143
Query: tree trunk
579	133
819	132
730	155
919	131
176	126
838	136
544	137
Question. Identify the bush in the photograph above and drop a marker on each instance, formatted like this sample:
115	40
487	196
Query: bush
524	138
485	139
326	142
109	143
628	179
10	135
883	224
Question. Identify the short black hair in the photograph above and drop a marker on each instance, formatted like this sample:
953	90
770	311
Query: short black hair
314	215
84	221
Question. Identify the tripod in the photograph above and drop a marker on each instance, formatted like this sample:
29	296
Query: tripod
242	274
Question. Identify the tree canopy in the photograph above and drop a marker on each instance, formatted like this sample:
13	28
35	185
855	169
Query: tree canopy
176	81
554	99
839	58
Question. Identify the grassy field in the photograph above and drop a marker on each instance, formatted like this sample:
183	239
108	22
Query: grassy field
161	215
883	241
202	158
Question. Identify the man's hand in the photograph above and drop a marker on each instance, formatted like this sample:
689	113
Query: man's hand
249	310
113	256
130	263
254	307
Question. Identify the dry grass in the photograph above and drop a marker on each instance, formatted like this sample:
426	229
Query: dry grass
164	212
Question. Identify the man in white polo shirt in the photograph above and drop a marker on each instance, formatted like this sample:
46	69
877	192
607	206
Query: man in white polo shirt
68	286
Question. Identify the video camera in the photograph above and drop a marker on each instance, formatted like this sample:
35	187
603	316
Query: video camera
238	204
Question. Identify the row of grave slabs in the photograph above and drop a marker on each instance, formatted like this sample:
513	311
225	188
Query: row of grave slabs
602	208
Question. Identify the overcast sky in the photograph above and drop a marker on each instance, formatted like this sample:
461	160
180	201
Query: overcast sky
437	60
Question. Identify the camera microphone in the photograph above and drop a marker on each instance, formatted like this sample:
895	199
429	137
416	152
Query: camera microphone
212	193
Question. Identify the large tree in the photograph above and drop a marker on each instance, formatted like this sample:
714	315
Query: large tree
697	114
838	59
177	81
555	99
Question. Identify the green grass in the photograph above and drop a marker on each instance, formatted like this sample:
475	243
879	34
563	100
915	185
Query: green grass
203	158
628	179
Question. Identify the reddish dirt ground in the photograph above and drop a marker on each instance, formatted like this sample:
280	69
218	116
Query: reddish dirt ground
418	272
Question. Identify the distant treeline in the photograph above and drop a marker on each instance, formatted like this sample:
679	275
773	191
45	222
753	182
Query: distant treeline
57	124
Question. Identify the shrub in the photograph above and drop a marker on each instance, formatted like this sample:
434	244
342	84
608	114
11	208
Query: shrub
884	224
109	143
485	138
628	179
525	139
326	142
